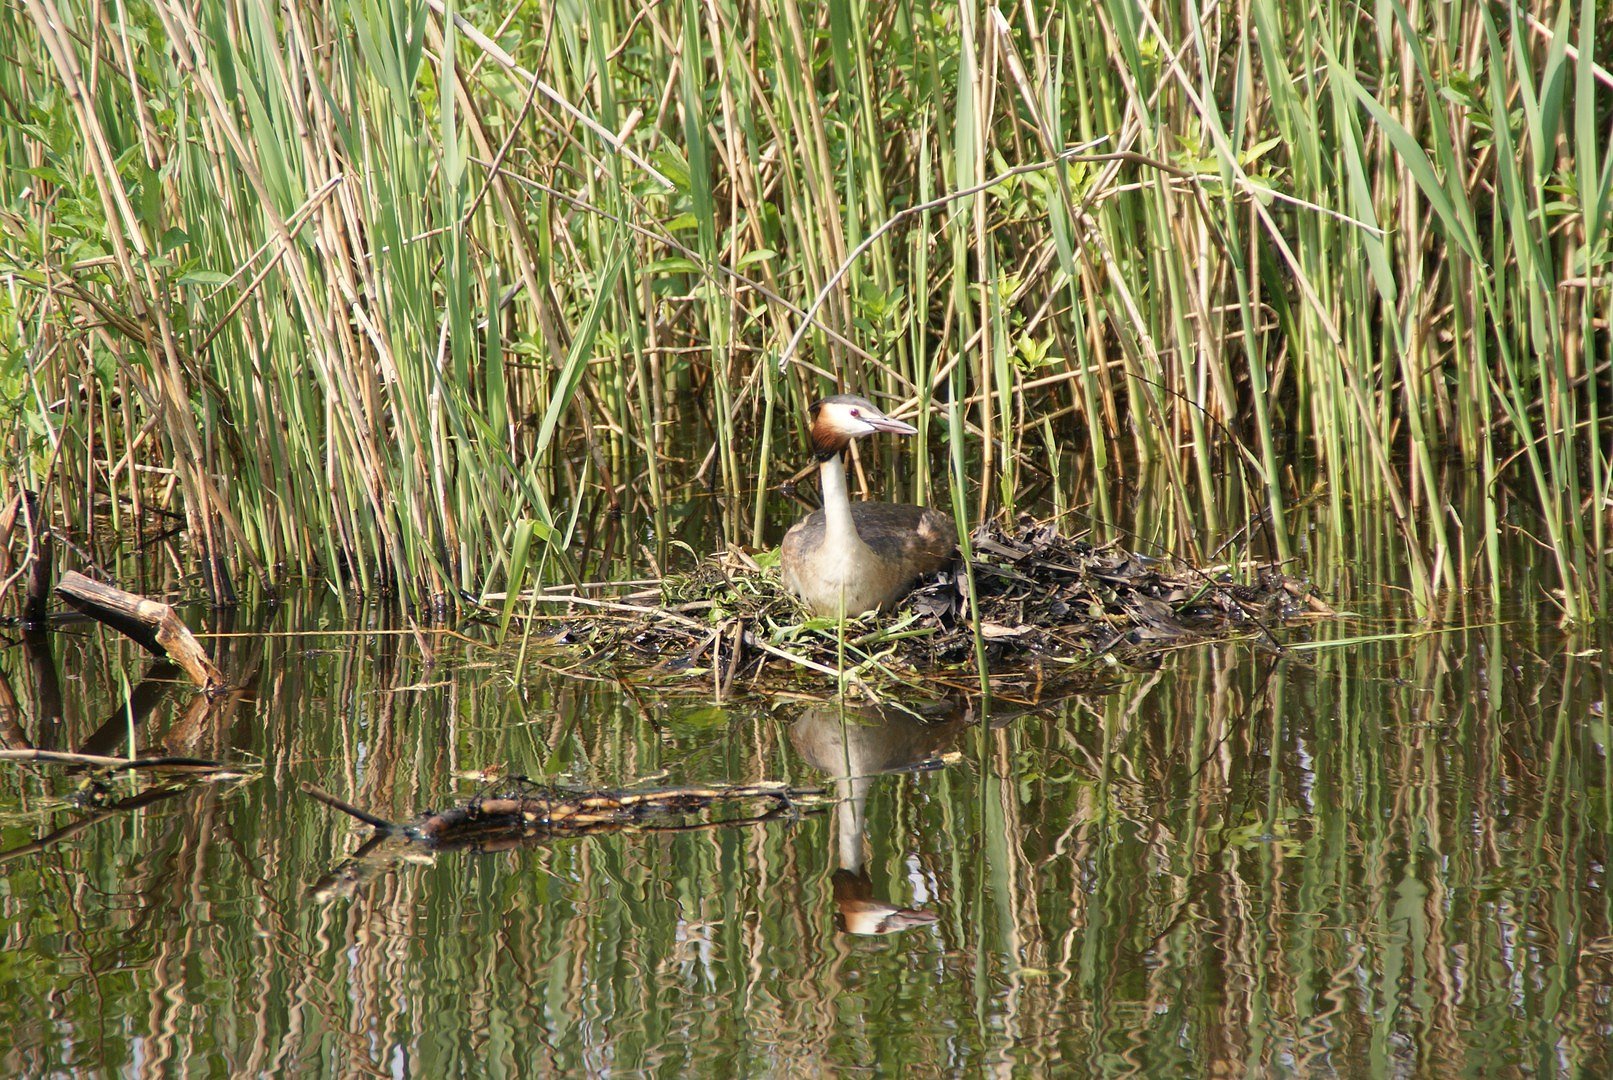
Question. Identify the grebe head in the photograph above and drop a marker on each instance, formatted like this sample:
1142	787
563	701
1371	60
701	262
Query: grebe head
839	419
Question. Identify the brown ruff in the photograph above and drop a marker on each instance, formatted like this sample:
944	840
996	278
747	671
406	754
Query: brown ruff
826	442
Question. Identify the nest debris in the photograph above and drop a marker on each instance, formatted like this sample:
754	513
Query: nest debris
1041	596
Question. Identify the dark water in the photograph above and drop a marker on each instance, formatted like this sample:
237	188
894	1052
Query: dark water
1368	859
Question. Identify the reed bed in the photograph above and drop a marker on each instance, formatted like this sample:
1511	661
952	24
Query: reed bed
445	299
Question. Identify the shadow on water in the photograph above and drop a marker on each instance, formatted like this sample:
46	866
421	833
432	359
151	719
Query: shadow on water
1380	857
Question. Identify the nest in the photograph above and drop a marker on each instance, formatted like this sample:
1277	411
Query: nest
1040	596
1045	594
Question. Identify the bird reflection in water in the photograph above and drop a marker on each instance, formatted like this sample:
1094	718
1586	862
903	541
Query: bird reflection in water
854	746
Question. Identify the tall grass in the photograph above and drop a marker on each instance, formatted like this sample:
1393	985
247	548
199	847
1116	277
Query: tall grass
428	298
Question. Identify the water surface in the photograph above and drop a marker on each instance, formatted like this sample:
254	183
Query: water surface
1382	858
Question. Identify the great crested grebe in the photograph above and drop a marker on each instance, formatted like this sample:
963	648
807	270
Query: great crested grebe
857	557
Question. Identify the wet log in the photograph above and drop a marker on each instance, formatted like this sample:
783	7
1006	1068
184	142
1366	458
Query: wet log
540	812
556	811
151	623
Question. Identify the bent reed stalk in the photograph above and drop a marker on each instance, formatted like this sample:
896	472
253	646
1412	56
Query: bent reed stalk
443	299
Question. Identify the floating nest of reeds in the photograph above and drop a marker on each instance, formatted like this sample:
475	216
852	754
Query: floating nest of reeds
1040	597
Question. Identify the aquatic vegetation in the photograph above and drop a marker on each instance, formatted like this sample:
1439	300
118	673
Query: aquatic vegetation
452	305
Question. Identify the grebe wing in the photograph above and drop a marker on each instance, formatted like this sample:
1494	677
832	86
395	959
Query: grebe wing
916	536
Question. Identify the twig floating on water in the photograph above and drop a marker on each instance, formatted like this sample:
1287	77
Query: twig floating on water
321	795
116	764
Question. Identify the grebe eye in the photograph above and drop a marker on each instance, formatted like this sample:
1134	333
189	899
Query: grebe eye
856	413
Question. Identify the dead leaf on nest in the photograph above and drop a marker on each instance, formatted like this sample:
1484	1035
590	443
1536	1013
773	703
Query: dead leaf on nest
997	632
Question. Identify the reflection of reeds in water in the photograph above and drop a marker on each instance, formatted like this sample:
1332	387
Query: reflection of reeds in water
1366	859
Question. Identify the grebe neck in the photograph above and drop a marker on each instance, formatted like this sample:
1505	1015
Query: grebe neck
836	500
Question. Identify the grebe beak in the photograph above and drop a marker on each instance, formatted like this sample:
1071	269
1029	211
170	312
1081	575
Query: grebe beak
885	423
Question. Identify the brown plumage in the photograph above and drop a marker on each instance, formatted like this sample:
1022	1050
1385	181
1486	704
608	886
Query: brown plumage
908	542
865	556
